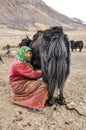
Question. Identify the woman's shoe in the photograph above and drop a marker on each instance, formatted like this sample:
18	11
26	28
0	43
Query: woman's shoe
36	110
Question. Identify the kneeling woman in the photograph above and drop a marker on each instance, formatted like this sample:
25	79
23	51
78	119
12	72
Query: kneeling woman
27	90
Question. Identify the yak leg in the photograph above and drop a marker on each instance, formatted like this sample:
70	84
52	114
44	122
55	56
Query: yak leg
61	99
79	49
51	100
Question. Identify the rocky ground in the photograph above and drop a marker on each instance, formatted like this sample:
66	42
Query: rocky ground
13	117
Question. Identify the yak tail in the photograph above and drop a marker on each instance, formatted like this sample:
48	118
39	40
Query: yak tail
57	63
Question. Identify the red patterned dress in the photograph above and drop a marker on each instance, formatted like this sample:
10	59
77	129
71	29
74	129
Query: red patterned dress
27	90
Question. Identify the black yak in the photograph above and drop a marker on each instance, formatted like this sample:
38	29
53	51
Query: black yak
25	42
51	53
76	45
79	44
7	47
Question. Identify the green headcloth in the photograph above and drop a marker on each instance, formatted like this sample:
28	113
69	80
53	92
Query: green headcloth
21	56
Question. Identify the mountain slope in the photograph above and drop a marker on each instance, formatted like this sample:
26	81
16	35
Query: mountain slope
27	14
77	20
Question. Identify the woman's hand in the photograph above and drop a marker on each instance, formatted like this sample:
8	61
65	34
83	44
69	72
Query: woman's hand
40	71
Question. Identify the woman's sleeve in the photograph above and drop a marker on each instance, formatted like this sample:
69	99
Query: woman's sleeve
28	72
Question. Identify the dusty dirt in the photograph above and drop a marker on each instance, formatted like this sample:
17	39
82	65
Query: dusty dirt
13	117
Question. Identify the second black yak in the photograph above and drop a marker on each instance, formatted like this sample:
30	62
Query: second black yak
77	45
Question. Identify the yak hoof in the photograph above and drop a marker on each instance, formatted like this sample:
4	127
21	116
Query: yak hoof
51	102
61	101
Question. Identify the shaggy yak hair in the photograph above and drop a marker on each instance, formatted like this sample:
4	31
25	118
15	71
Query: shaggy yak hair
51	53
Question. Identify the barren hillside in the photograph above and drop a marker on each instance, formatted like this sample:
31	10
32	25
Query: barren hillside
32	15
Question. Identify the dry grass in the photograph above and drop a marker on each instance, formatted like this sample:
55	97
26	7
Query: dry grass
13	37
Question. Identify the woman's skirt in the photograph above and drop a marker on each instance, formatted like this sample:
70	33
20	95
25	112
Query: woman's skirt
31	94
